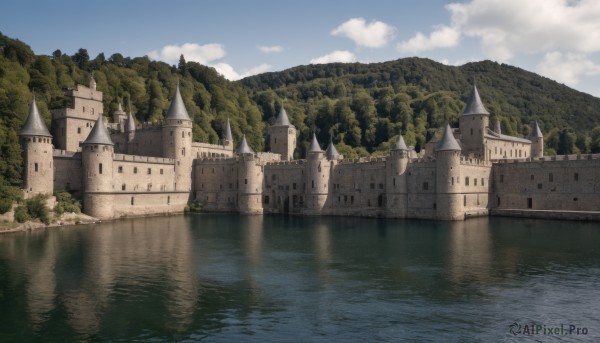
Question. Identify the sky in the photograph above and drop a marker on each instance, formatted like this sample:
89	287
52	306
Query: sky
559	39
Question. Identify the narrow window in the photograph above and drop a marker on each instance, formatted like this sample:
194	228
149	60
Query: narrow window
120	169
245	181
576	176
529	203
169	200
161	172
474	181
132	202
531	177
482	182
465	200
78	130
36	167
100	168
453	181
123	187
466	181
149	171
352	199
313	183
135	170
425	186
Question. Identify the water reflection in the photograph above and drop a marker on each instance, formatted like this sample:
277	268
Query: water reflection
236	278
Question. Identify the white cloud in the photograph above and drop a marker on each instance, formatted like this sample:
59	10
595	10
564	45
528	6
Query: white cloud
376	34
507	28
230	74
336	56
208	55
442	37
567	68
203	54
270	49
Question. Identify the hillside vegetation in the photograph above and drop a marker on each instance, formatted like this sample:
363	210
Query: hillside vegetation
361	107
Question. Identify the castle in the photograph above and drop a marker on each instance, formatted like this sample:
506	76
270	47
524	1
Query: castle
128	169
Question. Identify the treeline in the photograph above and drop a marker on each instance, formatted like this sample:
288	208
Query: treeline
365	106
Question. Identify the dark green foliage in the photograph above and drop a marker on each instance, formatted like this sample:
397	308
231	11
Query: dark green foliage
21	214
8	196
37	209
66	203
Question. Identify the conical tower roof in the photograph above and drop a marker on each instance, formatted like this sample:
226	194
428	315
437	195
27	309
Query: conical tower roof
536	132
400	145
99	134
228	135
474	104
34	125
314	145
282	118
331	151
448	142
120	109
243	148
177	109
130	123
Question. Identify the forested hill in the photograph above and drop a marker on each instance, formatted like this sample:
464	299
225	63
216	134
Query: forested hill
142	85
363	107
368	104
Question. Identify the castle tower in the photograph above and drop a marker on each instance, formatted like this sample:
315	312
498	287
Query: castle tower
318	173
177	141
331	153
250	178
282	136
447	157
228	139
498	127
119	116
537	142
396	183
473	122
97	160
130	134
36	143
92	83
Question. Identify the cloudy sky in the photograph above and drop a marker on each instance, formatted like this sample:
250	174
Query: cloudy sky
559	39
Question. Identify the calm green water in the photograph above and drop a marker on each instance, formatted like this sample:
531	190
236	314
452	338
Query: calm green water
228	278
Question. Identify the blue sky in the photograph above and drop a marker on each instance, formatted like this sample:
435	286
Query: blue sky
559	39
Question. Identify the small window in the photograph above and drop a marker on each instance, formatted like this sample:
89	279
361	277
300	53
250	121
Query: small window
474	181
83	109
482	182
465	200
78	130
149	171
132	201
531	177
123	187
539	186
161	172
313	183
36	167
425	186
466	181
372	186
100	168
576	176
135	170
245	181
119	169
352	199
169	200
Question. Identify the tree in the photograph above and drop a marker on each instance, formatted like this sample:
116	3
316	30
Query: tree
182	67
82	59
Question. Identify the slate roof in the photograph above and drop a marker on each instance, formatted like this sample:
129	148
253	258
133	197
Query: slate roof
34	125
99	134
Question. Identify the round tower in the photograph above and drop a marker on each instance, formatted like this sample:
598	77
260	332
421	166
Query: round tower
249	181
474	121
449	202
537	142
36	143
396	183
177	141
282	136
318	172
97	154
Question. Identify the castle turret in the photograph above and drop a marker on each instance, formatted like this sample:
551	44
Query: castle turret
282	136
130	128
396	182
36	142
473	122
250	177
97	160
177	141
448	199
228	139
537	142
331	153
119	116
318	173
498	127
92	83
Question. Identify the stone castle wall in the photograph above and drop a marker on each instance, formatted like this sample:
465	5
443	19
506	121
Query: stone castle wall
67	171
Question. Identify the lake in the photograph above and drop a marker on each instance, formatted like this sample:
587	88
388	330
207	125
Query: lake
229	278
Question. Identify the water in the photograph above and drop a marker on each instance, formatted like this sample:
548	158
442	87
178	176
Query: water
229	278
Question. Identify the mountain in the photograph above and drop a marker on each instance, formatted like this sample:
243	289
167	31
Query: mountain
362	107
368	104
